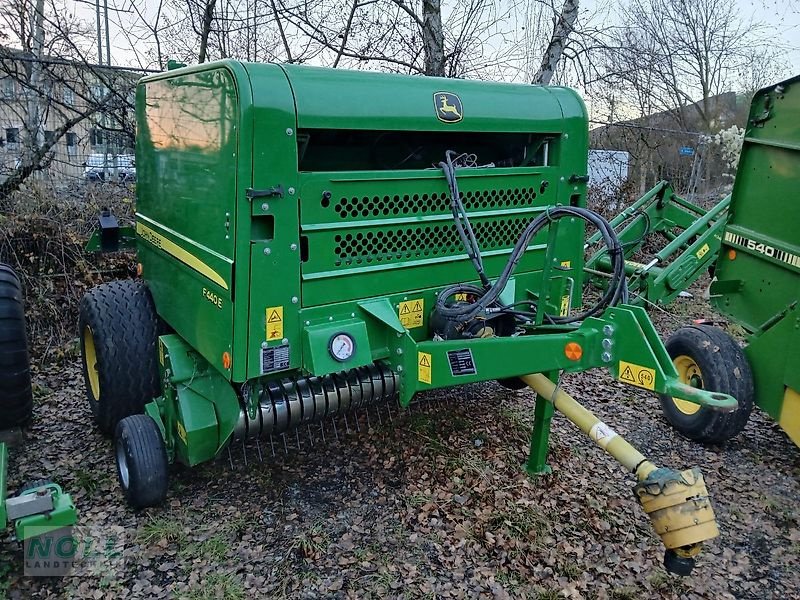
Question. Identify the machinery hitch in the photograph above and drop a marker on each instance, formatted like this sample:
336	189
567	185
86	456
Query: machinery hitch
677	503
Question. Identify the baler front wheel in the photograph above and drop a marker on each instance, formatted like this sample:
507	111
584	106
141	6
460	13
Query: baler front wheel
142	465
708	358
119	331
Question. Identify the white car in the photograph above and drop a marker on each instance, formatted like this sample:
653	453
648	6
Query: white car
103	168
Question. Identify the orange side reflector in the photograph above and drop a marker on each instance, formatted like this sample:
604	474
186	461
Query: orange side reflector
573	351
732	254
139	269
226	360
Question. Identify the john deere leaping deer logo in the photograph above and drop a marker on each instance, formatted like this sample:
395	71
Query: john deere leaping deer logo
448	107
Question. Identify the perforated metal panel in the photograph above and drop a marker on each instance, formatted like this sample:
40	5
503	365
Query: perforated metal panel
428	203
408	243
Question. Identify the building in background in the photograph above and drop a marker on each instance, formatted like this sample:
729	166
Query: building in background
63	91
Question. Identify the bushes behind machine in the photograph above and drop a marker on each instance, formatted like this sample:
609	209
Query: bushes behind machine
43	231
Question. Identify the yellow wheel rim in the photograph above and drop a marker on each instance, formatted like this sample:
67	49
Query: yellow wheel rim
90	356
690	374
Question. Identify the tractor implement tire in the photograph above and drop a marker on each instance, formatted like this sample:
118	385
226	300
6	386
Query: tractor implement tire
118	332
16	395
142	465
706	357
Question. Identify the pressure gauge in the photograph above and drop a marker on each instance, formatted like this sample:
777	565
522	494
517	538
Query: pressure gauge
341	347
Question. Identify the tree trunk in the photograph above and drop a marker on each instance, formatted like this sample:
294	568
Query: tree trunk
33	113
564	25
208	17
433	37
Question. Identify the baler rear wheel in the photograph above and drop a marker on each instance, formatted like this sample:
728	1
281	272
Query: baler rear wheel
708	358
142	465
16	395
118	332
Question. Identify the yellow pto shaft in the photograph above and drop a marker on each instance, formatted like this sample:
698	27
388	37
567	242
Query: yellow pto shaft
676	502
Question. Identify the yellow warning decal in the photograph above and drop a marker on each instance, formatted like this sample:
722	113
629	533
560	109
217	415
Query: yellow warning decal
424	367
274	323
634	264
637	375
410	313
181	432
564	306
461	297
703	251
566	263
161	352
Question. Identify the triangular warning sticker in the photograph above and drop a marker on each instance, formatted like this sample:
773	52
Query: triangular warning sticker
424	362
627	375
274	317
417	306
404	310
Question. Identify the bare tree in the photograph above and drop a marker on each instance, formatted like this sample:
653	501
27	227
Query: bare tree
205	30
50	85
562	29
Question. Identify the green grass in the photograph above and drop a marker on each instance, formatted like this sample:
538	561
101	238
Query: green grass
214	549
161	528
312	542
216	586
89	481
624	593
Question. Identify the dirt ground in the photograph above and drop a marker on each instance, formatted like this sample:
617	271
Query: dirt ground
432	504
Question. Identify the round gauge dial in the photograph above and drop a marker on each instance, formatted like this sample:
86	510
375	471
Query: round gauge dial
341	347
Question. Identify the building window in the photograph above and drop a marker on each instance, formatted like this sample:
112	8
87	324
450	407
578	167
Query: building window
98	91
12	137
49	137
72	143
68	96
7	88
96	137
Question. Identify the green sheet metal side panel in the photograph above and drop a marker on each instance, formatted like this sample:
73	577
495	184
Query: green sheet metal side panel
187	153
765	211
275	238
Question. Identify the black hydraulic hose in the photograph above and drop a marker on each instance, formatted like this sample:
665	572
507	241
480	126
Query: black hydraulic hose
463	226
615	293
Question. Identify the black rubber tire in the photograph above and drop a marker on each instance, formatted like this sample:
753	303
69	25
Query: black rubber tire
16	394
142	465
512	383
122	322
724	368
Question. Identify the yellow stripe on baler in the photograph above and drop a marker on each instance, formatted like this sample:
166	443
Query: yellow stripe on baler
187	258
790	415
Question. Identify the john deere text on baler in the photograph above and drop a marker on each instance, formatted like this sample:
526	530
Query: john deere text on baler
315	241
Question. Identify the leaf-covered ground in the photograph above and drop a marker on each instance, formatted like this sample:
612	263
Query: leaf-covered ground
430	504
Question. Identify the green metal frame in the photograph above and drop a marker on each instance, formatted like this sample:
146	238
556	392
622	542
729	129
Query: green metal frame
62	515
758	269
689	239
244	252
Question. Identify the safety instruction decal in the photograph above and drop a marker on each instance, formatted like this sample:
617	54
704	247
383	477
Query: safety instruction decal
602	434
274	323
410	313
424	367
637	375
703	251
564	306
